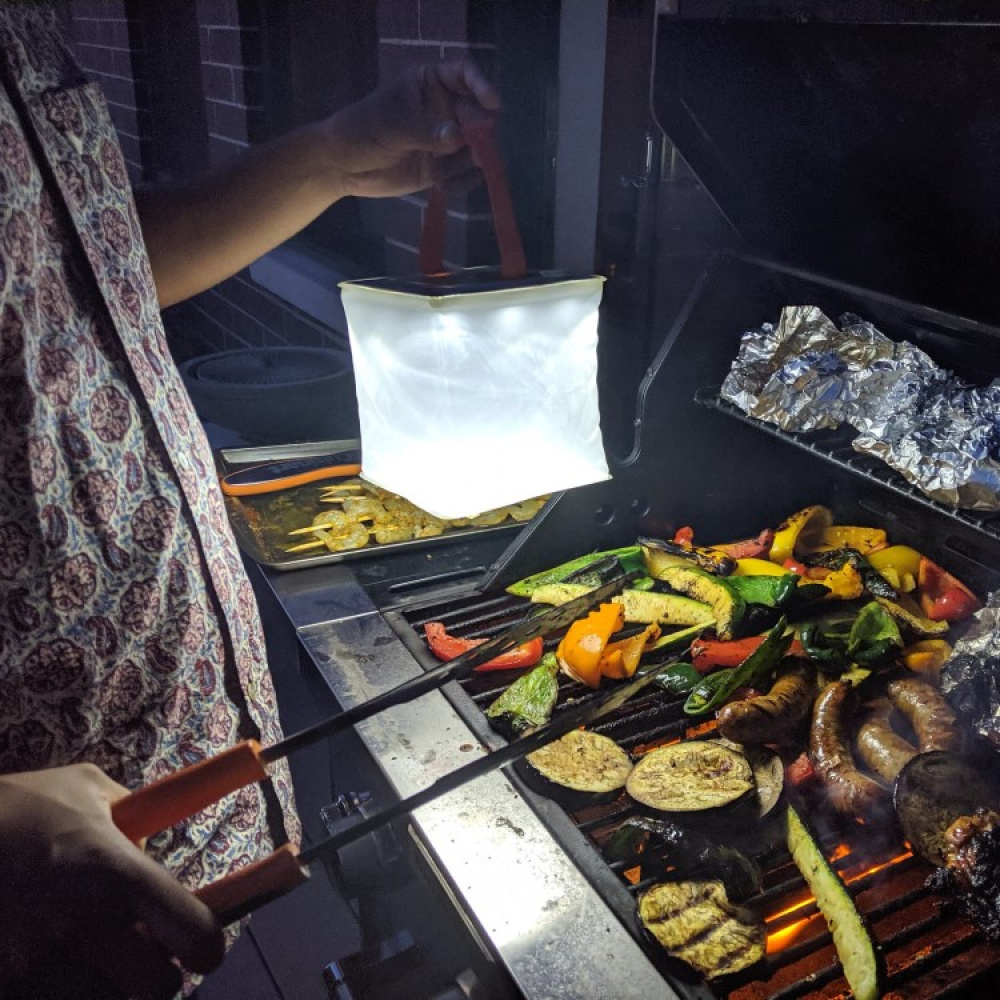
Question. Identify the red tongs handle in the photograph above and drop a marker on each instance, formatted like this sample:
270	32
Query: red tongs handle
163	803
480	134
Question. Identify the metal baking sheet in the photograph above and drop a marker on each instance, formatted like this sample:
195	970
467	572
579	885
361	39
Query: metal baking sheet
260	523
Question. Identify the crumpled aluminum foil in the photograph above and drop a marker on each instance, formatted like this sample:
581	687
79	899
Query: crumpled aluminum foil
807	373
970	679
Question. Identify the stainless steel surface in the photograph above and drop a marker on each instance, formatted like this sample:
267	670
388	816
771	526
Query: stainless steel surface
543	919
276	452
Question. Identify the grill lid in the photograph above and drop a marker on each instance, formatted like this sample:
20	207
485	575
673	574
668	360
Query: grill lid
858	141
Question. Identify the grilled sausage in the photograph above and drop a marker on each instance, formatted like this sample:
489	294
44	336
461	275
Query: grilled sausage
932	718
850	791
760	720
881	748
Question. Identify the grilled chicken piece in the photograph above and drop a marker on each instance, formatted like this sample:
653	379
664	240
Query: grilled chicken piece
971	874
695	922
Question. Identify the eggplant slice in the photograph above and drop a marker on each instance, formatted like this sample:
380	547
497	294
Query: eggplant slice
579	768
695	922
691	776
768	773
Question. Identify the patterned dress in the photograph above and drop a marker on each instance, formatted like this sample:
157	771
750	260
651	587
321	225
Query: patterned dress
129	635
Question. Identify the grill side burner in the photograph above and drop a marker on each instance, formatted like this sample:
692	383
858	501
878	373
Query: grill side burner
930	950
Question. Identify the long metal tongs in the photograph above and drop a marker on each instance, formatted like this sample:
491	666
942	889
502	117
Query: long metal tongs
165	802
259	883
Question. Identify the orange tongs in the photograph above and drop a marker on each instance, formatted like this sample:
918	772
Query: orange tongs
165	802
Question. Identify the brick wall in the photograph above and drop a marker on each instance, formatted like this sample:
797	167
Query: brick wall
106	47
168	121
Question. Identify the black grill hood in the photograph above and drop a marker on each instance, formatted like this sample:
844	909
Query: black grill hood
859	140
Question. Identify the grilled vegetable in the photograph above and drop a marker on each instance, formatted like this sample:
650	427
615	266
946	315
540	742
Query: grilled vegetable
944	597
659	553
856	948
528	702
579	769
714	689
772	716
926	658
768	773
771	591
911	619
691	776
678	679
748	548
447	647
629	558
620	660
755	566
800	534
647	606
899	564
727	606
836	559
579	652
871	638
689	852
695	922
862	540
674	642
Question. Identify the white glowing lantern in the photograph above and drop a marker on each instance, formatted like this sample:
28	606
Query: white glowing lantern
471	400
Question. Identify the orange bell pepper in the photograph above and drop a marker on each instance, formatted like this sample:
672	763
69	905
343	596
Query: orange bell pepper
926	658
579	652
620	660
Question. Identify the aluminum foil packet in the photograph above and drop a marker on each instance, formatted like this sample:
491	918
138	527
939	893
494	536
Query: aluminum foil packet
970	679
808	373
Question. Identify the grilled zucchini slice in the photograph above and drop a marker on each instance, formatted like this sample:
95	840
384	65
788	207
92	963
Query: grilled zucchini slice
728	607
856	948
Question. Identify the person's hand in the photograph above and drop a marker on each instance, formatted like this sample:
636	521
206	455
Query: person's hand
82	904
406	136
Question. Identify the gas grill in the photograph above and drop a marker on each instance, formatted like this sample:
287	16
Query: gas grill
851	151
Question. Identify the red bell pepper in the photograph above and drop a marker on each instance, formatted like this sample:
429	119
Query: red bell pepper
684	535
943	597
749	548
801	772
710	654
446	647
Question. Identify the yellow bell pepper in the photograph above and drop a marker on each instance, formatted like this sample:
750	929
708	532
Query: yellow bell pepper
899	564
758	567
845	583
579	652
620	660
863	540
800	534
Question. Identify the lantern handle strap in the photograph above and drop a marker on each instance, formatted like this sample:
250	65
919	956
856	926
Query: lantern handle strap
480	134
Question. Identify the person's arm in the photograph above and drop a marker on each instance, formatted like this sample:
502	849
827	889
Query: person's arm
403	137
82	904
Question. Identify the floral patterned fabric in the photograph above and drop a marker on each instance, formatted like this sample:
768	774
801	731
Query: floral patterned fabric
129	634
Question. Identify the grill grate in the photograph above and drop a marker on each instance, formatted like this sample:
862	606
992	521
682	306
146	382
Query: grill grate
930	951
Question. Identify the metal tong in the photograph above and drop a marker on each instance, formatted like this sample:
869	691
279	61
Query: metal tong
165	802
